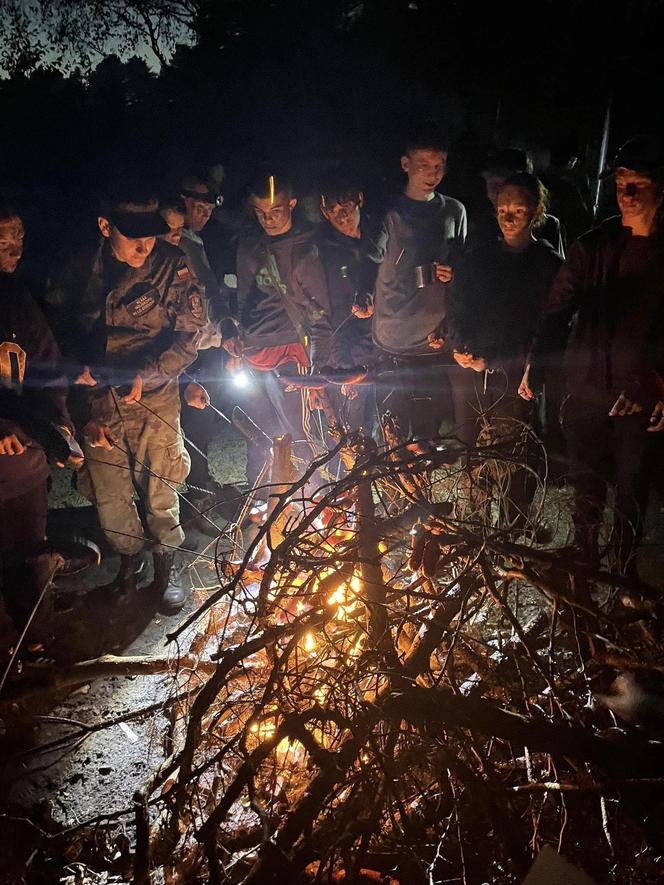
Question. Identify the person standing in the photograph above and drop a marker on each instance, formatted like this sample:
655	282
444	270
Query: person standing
136	319
497	296
284	317
422	235
607	304
344	241
32	391
199	201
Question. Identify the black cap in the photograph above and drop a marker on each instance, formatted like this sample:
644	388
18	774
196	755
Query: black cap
643	153
137	221
206	196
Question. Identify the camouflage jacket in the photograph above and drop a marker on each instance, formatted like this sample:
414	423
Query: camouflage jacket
121	321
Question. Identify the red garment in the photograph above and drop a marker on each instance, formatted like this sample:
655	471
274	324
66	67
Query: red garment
272	357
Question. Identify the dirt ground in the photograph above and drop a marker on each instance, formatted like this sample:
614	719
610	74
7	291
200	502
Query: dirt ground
97	774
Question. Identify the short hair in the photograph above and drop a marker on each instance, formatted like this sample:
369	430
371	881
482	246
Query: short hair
260	187
339	187
535	188
508	161
428	138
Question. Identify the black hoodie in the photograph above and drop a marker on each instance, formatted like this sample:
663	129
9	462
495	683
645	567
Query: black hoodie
282	293
496	298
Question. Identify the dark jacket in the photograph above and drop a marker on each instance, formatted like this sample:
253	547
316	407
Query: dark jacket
414	234
496	299
121	320
282	293
611	290
30	380
347	271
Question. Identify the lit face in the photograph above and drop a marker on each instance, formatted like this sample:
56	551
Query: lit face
175	221
637	194
493	182
198	212
274	217
425	170
11	244
344	217
516	211
128	250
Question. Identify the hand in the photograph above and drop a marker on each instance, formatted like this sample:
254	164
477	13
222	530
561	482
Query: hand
135	393
349	391
363	311
85	378
465	360
525	390
74	461
435	341
624	406
478	365
444	273
232	346
657	418
196	396
315	399
99	435
10	444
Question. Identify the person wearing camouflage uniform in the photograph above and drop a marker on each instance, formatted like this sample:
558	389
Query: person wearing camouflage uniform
138	319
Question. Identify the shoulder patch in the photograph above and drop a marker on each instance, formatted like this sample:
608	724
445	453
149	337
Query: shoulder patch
184	274
196	305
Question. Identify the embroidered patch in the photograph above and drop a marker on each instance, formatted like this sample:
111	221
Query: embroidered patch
183	274
141	305
196	305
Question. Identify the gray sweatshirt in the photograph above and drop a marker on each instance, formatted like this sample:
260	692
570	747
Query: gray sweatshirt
414	233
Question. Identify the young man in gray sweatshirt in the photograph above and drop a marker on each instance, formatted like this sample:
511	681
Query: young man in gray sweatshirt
422	233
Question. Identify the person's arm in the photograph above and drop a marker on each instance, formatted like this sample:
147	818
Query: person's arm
231	331
314	302
186	307
553	327
45	384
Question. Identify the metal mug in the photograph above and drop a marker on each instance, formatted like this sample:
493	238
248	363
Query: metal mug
425	274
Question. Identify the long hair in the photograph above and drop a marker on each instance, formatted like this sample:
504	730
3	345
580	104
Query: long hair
540	195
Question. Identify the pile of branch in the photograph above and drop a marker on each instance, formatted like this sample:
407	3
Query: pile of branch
412	695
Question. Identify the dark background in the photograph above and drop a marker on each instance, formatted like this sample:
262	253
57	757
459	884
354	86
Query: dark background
309	84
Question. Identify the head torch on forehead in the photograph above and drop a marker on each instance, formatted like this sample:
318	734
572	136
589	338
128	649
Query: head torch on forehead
203	197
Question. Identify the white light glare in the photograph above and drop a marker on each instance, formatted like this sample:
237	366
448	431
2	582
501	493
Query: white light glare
241	380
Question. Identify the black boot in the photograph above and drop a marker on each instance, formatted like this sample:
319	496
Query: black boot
124	583
167	584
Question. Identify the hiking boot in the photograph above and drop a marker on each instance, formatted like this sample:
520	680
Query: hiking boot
168	584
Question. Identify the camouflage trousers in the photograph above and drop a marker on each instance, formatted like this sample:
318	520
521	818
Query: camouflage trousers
150	461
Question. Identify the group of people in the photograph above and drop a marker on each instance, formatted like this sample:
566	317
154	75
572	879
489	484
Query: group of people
425	317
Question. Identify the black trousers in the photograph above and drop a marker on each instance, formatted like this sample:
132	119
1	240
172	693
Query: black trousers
606	451
198	424
415	391
22	532
489	411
